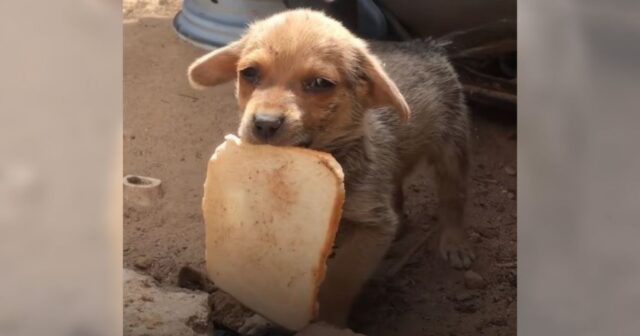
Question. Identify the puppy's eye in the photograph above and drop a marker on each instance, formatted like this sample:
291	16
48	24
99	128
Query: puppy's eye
318	84
251	75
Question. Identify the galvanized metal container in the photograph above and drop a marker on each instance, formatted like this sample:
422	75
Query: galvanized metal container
213	23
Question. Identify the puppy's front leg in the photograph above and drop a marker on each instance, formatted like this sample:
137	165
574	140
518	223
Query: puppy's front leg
360	247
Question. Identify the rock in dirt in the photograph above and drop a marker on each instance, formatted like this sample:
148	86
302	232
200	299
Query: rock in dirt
475	237
227	311
488	232
510	170
466	308
499	322
473	280
462	296
190	278
142	262
153	310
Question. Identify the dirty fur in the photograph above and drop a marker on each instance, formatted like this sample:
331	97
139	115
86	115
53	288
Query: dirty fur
384	114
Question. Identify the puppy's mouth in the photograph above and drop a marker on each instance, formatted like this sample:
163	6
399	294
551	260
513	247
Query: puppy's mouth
304	144
281	142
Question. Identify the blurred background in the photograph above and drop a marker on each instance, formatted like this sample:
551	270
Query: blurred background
482	34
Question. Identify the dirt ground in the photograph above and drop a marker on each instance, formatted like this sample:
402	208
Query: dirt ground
170	130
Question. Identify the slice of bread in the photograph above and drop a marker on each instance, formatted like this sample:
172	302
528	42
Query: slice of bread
271	215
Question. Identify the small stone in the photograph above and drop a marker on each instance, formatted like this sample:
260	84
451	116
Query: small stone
142	262
499	322
147	283
510	170
488	232
190	278
462	296
473	280
475	237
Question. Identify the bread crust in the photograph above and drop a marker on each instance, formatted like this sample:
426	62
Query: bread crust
329	162
318	269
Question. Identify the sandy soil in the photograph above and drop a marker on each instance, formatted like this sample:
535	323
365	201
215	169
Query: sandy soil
171	130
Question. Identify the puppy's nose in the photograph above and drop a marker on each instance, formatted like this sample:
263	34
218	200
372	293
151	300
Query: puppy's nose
265	126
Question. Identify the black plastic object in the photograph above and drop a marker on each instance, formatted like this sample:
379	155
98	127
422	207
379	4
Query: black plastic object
364	18
371	21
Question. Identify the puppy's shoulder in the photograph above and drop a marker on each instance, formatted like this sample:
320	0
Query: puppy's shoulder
417	64
430	46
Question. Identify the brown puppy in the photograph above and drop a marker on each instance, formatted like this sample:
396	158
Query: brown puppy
302	79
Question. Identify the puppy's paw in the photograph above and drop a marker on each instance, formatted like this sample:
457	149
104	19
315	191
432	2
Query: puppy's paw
255	325
456	249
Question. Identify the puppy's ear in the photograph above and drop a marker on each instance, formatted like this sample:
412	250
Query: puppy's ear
381	89
216	67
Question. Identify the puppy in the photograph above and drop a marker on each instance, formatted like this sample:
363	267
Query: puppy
302	79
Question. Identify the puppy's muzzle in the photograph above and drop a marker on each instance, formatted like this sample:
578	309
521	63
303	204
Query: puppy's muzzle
266	126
